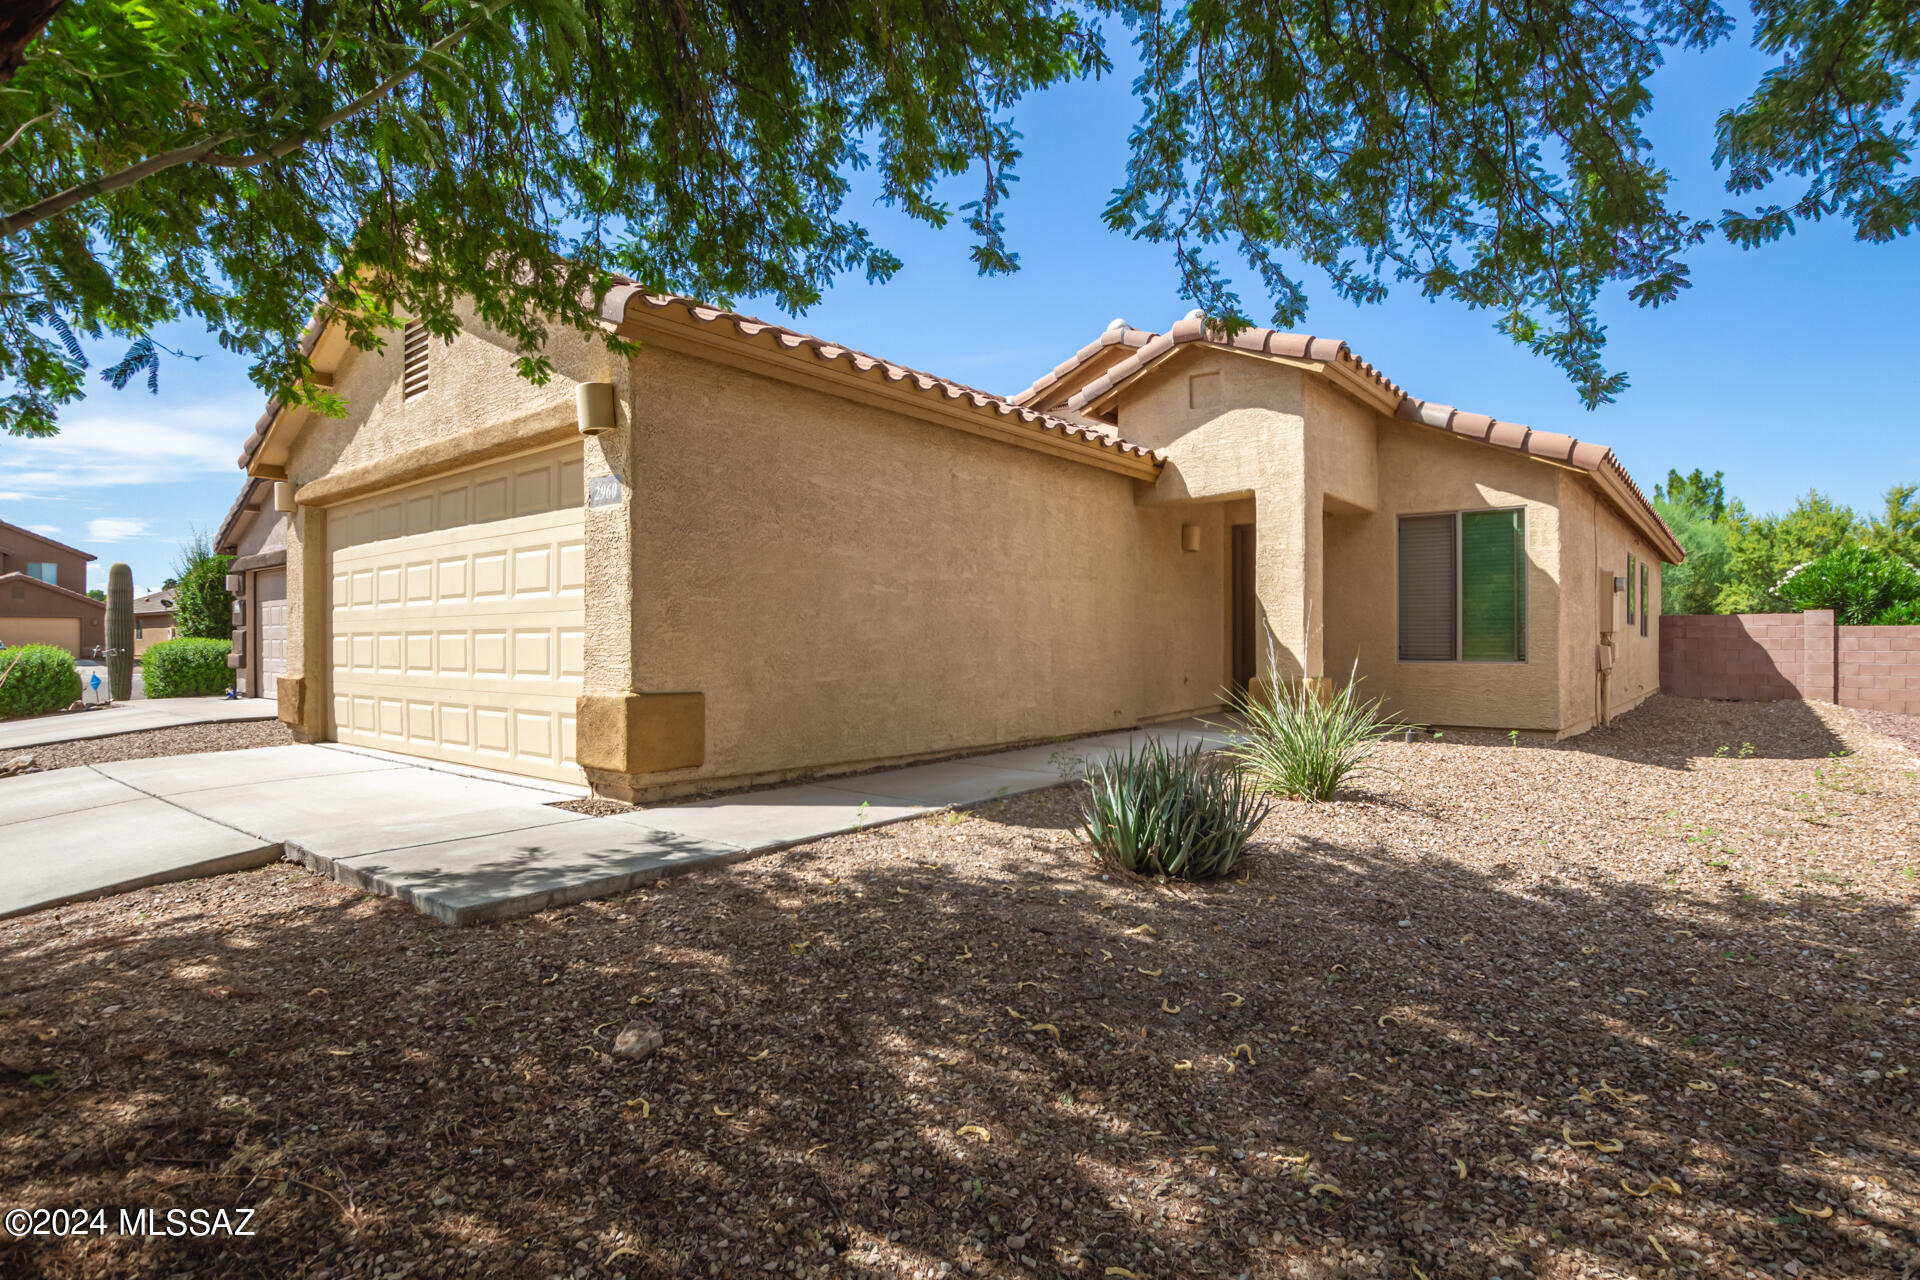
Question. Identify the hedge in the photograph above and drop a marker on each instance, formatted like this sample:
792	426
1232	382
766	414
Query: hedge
38	678
186	668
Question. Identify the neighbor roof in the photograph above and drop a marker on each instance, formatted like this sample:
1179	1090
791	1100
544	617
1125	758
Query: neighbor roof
18	577
628	301
160	601
52	542
1123	353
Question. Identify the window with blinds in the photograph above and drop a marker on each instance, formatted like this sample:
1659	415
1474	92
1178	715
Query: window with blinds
413	356
1429	594
1463	587
1646	601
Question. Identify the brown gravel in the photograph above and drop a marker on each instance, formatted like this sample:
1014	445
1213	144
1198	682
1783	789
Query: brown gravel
1904	730
186	739
1446	996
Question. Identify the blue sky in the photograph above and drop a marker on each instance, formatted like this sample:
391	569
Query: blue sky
1786	367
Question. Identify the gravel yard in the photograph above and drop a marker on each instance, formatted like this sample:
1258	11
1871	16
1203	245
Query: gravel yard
1638	1004
181	740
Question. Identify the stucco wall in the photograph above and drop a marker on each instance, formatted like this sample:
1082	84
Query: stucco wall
1424	472
1596	540
844	584
266	530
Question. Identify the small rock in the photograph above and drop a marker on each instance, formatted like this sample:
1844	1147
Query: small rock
19	764
1016	1243
636	1041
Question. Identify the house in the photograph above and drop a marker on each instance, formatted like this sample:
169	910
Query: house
255	534
747	554
152	619
43	594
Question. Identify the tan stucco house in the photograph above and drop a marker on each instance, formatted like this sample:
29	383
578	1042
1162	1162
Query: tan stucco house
43	594
748	554
153	619
254	533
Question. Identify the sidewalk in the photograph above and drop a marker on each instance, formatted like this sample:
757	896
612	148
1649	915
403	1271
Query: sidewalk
128	717
465	849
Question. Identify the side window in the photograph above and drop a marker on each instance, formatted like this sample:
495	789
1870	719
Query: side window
1462	587
1646	600
1629	588
45	570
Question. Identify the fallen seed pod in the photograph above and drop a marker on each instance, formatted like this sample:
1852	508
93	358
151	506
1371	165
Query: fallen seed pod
1047	1027
1318	1187
1824	1211
1233	998
974	1129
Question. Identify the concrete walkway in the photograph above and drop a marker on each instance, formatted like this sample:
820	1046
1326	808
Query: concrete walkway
128	717
461	846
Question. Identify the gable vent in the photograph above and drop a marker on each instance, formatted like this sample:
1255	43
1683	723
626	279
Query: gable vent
413	349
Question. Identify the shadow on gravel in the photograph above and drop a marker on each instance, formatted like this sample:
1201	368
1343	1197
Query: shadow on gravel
1673	733
1348	1064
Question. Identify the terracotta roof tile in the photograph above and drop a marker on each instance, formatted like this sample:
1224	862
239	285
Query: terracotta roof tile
1093	435
1551	445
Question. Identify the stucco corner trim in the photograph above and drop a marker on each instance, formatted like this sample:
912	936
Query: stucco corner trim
293	700
537	428
640	733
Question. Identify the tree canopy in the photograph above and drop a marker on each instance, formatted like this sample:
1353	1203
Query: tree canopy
237	161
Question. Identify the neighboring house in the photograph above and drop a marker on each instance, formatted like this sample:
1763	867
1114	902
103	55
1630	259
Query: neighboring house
255	534
152	619
772	556
43	594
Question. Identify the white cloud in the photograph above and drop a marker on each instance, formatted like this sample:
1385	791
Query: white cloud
113	439
49	529
114	529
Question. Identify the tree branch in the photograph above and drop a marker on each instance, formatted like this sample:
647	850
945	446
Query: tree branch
202	152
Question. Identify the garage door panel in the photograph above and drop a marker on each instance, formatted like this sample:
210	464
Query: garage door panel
459	624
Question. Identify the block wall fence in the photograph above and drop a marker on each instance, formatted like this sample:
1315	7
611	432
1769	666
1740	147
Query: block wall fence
1764	656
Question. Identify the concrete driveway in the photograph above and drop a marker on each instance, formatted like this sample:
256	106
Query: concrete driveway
128	717
461	845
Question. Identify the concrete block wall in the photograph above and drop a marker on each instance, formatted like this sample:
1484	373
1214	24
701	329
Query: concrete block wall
1750	656
1879	668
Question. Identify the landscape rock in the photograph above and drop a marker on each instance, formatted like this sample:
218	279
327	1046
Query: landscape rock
636	1041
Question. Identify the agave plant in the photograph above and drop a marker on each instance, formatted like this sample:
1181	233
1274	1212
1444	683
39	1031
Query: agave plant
1171	812
1302	742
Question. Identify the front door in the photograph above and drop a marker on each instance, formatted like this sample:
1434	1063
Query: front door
1245	620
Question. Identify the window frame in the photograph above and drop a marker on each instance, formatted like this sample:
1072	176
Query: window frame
52	568
1460	591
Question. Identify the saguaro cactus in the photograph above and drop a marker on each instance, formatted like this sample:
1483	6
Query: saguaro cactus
120	632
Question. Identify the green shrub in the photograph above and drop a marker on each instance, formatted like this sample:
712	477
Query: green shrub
1858	583
36	679
1904	614
1178	813
202	605
186	668
1304	744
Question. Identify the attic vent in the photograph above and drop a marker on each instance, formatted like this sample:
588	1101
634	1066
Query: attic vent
413	348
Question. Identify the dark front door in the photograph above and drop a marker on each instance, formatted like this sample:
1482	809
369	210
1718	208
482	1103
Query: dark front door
1245	621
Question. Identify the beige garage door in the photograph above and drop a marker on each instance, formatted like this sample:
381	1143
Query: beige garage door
270	596
458	616
63	632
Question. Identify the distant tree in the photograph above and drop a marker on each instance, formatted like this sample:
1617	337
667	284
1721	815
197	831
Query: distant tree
98	593
1896	529
170	584
1761	550
1695	583
1705	495
202	605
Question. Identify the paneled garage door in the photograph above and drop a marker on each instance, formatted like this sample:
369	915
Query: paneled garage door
63	633
270	596
458	616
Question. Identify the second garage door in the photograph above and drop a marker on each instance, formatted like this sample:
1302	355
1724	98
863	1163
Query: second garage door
458	616
270	599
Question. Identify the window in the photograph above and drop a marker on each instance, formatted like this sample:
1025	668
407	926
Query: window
413	357
1463	587
1629	588
45	570
1646	601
